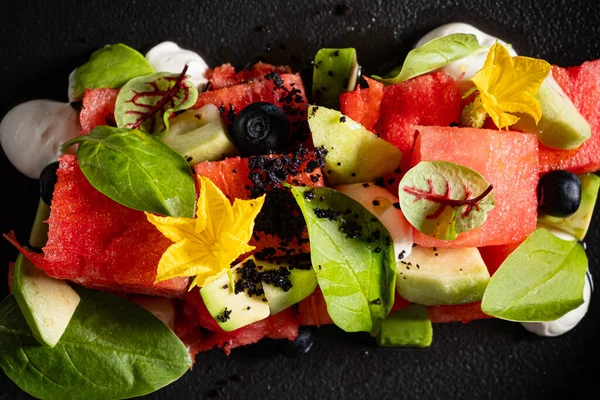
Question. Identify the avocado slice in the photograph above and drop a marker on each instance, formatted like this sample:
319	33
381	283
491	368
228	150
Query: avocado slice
561	125
47	304
200	135
578	223
39	231
335	71
279	296
234	310
435	276
407	327
354	153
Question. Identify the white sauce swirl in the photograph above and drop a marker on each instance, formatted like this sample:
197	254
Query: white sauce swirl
32	133
169	57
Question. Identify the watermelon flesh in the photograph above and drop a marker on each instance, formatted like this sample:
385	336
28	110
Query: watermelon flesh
582	85
98	107
363	105
247	178
508	160
427	100
457	313
100	244
286	91
225	75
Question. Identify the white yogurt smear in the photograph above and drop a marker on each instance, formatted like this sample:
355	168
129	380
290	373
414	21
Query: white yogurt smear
169	57
32	133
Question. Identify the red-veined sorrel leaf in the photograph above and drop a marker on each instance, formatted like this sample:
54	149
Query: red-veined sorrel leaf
146	102
442	199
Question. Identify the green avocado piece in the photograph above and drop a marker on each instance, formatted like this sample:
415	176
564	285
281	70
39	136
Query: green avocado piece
47	304
200	135
303	283
234	310
435	276
561	125
39	231
110	67
354	153
578	223
407	327
335	71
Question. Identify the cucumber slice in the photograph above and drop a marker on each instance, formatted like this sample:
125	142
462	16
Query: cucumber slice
47	304
304	282
335	71
407	327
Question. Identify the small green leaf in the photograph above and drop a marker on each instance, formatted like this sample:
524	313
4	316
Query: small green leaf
352	255
442	199
147	102
137	170
110	67
541	280
433	55
112	349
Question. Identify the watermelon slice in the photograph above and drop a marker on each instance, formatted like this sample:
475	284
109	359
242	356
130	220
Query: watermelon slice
226	75
582	85
247	178
100	244
285	91
98	108
457	313
428	100
494	256
508	160
362	105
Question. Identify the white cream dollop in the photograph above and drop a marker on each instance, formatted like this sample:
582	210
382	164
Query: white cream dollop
473	63
31	134
169	57
567	321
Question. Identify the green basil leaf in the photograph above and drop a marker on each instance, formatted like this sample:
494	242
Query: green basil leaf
110	67
433	55
146	102
442	199
112	349
541	280
137	170
352	255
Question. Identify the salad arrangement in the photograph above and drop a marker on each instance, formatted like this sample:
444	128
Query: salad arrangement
183	216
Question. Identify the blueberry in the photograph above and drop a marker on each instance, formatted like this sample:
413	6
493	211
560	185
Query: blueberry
559	193
261	128
47	182
301	345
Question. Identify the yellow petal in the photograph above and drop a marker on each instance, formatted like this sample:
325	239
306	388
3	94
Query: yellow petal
245	212
216	206
173	228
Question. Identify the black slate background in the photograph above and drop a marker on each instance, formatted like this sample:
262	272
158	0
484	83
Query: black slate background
42	41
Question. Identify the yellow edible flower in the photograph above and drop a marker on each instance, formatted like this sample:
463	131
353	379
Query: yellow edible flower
508	85
206	246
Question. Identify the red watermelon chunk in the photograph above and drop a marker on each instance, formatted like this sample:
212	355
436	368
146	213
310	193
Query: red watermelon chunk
582	85
226	75
246	178
508	160
457	313
494	256
362	105
430	100
100	244
98	108
285	91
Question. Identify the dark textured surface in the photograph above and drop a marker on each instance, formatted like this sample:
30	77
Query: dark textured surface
42	41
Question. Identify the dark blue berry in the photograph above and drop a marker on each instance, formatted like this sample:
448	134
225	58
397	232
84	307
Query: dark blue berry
301	345
559	193
261	128
48	181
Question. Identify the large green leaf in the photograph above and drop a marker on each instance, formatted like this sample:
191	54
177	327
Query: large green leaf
112	349
137	170
352	255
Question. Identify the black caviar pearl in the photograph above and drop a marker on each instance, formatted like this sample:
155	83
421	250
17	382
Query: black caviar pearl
301	345
261	128
559	193
48	181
